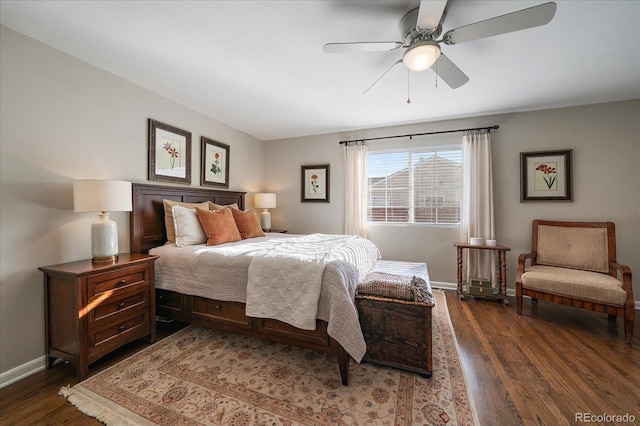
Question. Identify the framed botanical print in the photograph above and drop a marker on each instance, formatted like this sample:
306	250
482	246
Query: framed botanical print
215	163
546	176
315	183
169	153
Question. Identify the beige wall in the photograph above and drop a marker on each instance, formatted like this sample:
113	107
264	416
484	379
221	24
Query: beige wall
62	120
605	139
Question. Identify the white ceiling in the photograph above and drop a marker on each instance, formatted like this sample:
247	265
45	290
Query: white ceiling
259	65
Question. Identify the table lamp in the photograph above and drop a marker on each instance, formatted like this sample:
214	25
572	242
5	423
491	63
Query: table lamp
102	196
265	201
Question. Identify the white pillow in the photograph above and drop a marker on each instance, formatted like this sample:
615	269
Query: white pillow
188	228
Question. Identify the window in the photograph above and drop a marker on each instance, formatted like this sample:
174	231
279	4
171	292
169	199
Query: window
417	186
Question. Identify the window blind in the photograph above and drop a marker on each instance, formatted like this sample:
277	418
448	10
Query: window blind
416	186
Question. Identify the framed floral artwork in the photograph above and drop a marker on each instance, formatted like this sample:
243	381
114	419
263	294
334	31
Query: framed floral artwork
546	176
215	163
169	153
315	183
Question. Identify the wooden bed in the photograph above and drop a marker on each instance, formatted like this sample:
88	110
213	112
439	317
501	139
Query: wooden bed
148	231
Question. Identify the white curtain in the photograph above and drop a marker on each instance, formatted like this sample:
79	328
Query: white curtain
355	156
477	204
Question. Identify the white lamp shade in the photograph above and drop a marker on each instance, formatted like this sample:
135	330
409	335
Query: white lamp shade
265	201
102	196
421	55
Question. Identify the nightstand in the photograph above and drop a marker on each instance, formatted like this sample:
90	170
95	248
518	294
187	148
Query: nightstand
93	308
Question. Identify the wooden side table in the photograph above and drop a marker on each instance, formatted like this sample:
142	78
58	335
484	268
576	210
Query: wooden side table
502	270
93	308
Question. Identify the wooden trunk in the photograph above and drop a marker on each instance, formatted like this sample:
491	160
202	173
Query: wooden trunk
397	333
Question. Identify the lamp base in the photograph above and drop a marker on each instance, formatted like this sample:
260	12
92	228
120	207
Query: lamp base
105	259
265	220
104	239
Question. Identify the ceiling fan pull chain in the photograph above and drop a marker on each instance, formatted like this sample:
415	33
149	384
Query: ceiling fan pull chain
436	74
408	86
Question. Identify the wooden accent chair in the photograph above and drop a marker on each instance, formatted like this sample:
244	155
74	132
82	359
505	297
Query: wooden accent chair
574	263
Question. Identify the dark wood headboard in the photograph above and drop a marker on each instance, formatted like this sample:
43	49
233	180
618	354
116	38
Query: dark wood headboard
147	216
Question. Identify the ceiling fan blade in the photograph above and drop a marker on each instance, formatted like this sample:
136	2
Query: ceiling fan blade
449	72
429	15
383	74
515	21
366	46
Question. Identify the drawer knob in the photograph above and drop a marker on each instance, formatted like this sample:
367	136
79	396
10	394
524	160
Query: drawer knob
122	282
122	327
121	305
218	306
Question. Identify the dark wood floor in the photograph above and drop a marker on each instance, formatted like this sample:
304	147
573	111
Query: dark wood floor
540	368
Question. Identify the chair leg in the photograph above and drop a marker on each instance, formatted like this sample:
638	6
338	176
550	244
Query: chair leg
628	330
629	322
629	319
519	298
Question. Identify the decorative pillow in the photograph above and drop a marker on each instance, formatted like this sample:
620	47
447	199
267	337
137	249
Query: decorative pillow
168	215
187	226
214	206
219	226
247	224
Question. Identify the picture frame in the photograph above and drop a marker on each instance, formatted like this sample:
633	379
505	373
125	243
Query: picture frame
169	153
546	176
315	183
215	163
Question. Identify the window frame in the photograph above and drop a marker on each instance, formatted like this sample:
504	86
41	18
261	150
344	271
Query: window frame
414	149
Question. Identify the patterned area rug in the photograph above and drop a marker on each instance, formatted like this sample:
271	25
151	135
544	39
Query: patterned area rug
202	376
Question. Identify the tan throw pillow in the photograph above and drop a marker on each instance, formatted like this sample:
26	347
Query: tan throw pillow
214	206
168	215
219	226
247	224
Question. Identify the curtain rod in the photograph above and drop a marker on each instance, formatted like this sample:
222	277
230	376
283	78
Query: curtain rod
410	135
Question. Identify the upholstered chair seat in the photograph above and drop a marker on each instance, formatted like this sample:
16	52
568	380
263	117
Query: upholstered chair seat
575	283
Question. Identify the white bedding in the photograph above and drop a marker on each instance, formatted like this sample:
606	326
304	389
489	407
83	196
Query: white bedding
284	281
221	272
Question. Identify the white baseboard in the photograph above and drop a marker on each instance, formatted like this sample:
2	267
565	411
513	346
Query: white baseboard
443	286
22	371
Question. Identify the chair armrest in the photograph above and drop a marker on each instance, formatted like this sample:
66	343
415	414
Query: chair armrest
625	273
522	259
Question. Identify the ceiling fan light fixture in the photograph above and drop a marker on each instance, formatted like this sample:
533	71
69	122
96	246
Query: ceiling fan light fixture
421	55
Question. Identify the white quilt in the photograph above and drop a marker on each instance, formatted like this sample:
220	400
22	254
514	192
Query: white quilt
284	282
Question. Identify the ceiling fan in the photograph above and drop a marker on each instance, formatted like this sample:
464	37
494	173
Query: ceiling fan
421	27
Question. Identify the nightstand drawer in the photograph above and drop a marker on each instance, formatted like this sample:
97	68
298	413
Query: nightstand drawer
138	323
120	278
105	309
